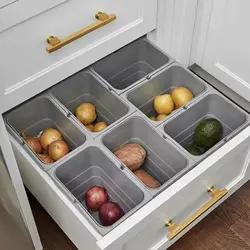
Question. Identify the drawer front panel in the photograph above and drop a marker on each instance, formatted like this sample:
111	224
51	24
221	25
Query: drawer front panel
29	68
226	168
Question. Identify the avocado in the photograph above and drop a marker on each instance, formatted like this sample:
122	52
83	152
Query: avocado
193	149
208	133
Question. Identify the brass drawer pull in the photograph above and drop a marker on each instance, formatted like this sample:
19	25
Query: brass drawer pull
56	43
175	229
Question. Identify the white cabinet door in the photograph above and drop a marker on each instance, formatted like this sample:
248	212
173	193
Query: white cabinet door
226	37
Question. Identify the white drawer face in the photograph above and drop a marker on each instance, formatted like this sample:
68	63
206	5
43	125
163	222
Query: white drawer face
29	69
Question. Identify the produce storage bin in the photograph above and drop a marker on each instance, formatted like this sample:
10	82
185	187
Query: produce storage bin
93	167
129	65
164	82
85	87
164	161
181	127
37	115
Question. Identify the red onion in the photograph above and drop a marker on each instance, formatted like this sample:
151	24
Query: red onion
34	144
95	197
109	213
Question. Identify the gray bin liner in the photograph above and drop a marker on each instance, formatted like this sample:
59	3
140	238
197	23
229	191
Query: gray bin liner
130	64
181	127
164	82
37	115
85	87
93	167
164	161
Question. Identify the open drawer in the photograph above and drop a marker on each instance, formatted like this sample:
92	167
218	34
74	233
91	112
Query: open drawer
153	218
228	168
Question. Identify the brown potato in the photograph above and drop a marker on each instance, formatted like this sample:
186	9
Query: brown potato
99	126
132	155
147	179
161	117
90	127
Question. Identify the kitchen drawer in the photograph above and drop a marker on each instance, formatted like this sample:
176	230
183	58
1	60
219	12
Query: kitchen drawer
122	84
184	180
23	46
122	87
227	168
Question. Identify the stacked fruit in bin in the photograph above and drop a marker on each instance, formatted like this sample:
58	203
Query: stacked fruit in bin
97	200
86	114
133	156
206	135
165	104
49	145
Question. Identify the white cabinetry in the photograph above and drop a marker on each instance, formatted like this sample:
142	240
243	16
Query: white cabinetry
221	42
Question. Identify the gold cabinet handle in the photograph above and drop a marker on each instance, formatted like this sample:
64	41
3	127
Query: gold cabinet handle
56	43
175	229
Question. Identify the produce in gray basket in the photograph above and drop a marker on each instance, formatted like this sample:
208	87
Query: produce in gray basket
90	127
193	149
48	145
163	104
132	155
46	158
109	213
211	106
174	80
153	118
181	96
48	136
95	197
58	149
208	133
26	121
86	113
34	144
160	117
99	126
147	179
